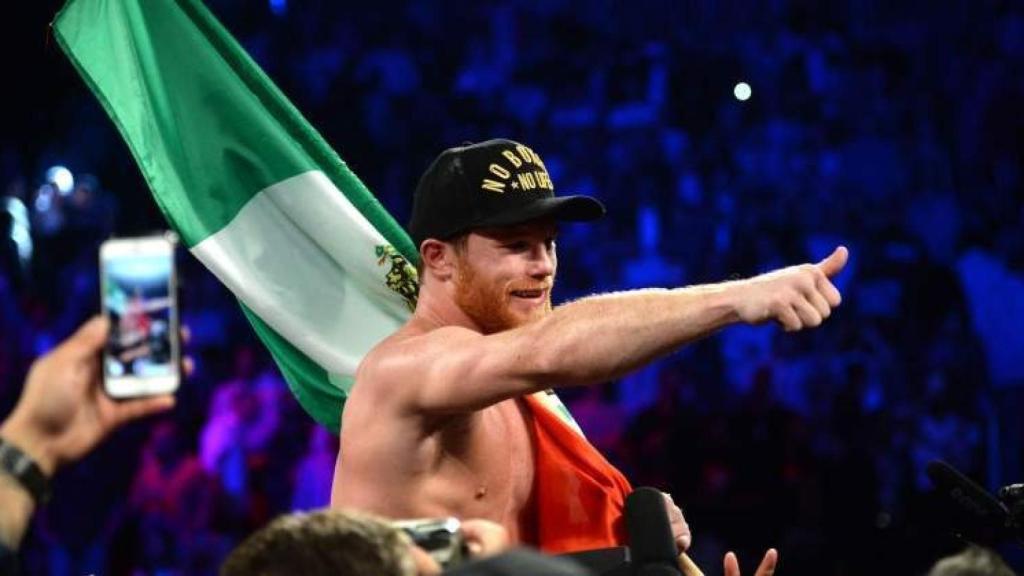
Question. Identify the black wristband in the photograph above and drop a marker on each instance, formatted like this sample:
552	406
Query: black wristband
22	468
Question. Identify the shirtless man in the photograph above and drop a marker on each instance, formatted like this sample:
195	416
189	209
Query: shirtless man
438	422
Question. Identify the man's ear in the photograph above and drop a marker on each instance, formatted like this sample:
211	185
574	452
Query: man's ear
438	259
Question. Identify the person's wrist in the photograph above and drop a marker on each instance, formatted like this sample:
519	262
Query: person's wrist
18	506
34	444
725	301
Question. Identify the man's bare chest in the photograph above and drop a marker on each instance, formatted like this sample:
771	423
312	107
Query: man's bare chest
492	452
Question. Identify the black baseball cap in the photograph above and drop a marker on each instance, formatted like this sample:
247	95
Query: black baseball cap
494	183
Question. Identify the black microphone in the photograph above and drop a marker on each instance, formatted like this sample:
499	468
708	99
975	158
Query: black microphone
979	517
651	545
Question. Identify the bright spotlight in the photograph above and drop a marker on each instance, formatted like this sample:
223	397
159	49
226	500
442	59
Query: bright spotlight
742	91
61	178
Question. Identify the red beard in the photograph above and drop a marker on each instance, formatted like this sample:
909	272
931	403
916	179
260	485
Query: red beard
489	306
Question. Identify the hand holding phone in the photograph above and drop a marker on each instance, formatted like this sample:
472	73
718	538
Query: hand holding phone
62	413
139	298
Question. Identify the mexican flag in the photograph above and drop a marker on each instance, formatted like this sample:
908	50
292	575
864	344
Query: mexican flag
320	268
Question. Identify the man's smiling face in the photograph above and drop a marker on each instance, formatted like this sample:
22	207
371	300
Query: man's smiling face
504	276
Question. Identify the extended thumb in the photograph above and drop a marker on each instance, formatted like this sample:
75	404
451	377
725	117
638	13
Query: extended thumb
835	261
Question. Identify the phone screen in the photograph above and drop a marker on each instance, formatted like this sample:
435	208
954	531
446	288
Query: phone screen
138	299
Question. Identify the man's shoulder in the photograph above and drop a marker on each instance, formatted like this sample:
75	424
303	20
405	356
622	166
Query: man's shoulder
415	336
411	347
393	373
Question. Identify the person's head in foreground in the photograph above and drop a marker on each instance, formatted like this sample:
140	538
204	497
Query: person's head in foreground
973	561
335	542
485	219
325	542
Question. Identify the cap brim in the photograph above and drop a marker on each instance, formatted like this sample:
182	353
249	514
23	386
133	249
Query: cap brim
561	208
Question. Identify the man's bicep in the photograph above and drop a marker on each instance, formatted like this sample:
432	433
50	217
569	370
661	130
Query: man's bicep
462	371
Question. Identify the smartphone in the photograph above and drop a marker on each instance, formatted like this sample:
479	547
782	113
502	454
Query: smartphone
139	296
440	537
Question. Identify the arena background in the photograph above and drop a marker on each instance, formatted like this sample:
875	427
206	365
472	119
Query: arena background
893	128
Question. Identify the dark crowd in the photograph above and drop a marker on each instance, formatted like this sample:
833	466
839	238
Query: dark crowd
892	128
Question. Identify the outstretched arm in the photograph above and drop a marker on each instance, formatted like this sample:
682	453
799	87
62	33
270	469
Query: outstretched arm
598	338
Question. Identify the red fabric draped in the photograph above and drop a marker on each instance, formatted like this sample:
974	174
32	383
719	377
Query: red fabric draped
579	496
